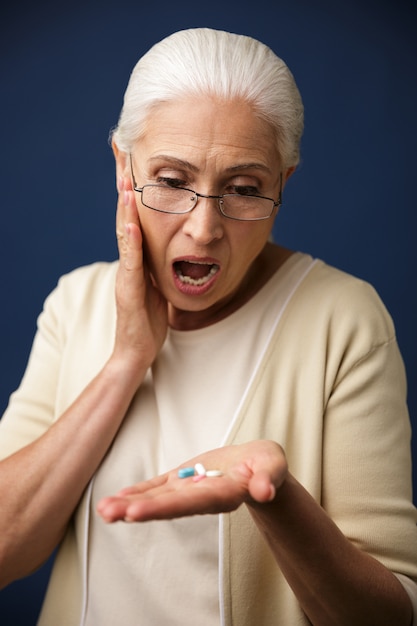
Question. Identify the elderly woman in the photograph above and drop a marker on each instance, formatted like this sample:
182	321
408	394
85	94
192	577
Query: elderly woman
277	375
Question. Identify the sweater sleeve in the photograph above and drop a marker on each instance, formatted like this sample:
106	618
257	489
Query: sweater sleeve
367	487
30	411
73	339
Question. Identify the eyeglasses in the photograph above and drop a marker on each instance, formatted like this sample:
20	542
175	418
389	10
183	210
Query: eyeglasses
179	200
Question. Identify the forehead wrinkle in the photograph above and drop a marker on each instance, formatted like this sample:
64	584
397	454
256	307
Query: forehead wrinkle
233	168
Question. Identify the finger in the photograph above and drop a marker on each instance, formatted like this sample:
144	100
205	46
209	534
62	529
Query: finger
132	254
173	499
144	486
120	218
261	487
126	212
126	208
129	236
112	509
193	498
152	504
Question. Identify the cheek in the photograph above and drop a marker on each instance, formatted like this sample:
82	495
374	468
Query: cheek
251	239
156	233
152	247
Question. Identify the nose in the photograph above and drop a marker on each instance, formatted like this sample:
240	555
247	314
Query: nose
205	222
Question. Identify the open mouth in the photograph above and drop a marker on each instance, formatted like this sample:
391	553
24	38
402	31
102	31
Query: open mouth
196	273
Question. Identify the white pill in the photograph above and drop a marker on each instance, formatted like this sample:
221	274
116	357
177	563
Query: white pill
213	473
200	469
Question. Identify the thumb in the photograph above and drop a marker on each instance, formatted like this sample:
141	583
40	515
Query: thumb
261	487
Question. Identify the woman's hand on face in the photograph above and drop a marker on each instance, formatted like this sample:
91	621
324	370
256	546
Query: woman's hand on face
142	317
251	472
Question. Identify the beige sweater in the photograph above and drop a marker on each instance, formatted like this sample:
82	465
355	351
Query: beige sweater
331	391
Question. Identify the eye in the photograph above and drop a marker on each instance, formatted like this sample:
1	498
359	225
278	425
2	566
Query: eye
244	190
170	182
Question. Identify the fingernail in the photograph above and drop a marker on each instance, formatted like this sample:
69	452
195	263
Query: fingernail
272	493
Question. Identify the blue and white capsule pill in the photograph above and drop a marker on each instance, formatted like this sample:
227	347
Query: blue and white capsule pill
185	472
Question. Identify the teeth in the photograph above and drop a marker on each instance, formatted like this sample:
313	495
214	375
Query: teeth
197	282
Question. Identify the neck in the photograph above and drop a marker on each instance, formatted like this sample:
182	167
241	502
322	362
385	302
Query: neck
262	269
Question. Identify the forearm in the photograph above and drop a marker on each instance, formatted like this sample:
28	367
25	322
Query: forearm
334	582
41	484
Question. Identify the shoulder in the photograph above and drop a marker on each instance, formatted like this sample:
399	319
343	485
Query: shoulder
97	276
85	284
333	318
344	302
83	297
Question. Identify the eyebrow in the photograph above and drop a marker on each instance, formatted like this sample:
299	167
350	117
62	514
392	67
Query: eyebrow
174	161
250	166
187	165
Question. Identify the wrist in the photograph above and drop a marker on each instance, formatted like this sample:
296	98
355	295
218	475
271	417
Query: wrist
128	369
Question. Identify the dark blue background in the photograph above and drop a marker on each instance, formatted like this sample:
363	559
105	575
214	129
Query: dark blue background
63	69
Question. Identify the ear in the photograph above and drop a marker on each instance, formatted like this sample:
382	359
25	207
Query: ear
286	174
289	172
122	167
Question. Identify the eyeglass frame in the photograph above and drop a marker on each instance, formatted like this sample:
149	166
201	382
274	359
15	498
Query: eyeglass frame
275	204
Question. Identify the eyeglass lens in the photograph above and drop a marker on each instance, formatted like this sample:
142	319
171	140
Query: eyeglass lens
172	200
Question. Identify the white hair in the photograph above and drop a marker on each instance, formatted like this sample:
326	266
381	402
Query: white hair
207	62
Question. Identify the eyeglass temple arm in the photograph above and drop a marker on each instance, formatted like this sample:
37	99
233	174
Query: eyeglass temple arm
131	170
279	201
